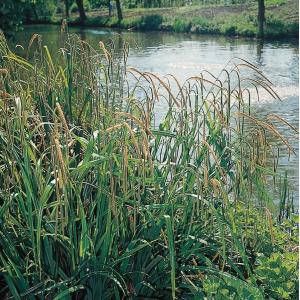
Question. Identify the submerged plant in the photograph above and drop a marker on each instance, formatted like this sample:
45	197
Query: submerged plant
117	183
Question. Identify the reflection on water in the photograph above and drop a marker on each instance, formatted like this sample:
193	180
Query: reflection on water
186	55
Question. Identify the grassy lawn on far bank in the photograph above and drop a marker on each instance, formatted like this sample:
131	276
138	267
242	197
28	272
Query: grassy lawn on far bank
233	20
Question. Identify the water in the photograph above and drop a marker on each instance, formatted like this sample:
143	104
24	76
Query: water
186	55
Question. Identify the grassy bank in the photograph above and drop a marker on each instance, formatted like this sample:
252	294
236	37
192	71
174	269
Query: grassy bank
98	201
234	20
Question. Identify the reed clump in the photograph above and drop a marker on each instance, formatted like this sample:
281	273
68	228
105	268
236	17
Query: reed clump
120	184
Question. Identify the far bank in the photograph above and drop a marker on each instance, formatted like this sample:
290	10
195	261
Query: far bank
228	20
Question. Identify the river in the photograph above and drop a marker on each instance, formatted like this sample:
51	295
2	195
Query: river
185	55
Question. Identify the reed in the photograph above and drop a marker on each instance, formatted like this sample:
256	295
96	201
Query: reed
102	197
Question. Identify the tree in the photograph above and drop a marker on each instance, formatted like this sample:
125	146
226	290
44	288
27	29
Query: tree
261	18
119	10
109	8
11	15
67	8
38	10
82	14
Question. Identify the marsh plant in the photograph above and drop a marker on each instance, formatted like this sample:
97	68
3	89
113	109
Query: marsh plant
119	184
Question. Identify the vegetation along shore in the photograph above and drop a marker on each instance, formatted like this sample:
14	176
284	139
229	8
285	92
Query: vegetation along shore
232	18
98	201
121	183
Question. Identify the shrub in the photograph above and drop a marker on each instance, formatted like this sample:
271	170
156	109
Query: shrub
277	274
132	22
150	22
39	10
275	2
180	25
200	25
11	15
228	29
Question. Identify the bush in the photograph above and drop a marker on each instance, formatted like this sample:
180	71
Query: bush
181	25
132	22
39	10
150	22
275	2
277	275
201	25
10	16
278	28
228	29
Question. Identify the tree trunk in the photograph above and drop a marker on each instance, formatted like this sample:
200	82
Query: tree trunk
67	8
82	15
119	10
261	18
36	16
109	8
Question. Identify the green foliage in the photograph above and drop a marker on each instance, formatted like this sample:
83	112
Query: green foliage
226	18
226	287
39	10
202	25
98	4
86	6
274	2
180	25
278	274
244	25
278	27
97	203
11	15
130	23
14	13
150	22
228	29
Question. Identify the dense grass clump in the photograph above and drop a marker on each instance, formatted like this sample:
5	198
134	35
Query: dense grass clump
117	183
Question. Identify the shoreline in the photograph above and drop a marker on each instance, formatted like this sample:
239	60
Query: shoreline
75	24
232	20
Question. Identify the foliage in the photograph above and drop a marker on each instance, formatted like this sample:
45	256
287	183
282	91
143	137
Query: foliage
274	2
181	25
227	287
14	13
278	27
86	5
277	275
39	10
11	15
98	201
233	18
244	24
150	22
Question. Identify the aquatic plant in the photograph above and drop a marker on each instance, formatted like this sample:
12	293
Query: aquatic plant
118	183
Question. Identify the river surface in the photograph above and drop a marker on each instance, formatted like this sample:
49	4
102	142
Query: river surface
186	55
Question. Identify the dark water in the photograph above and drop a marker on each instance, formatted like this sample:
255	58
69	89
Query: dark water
185	55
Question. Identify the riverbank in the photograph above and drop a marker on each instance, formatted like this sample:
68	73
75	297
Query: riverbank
231	20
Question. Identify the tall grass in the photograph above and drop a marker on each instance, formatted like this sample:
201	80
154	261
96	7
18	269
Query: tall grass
102	199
